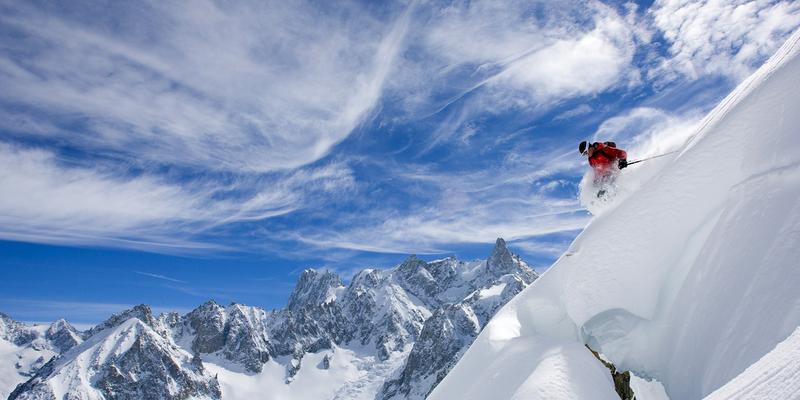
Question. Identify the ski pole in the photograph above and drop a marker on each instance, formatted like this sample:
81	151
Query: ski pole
650	158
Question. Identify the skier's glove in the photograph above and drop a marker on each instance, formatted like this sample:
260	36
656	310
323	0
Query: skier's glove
623	163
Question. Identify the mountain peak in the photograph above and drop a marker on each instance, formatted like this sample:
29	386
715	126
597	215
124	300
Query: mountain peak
60	325
210	303
314	288
501	258
412	258
412	264
63	335
15	332
141	312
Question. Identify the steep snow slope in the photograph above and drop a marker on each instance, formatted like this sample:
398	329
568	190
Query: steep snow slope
19	363
774	376
690	279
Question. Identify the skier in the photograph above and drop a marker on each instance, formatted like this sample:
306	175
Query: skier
603	158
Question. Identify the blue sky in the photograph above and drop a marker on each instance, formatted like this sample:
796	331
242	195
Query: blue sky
154	152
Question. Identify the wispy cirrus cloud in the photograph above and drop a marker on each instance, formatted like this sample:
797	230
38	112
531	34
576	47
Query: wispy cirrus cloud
48	202
507	201
246	86
159	276
145	126
730	37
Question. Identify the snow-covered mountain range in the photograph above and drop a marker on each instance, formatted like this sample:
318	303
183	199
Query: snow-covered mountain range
388	334
690	278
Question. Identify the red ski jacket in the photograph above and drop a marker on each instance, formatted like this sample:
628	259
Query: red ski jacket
603	157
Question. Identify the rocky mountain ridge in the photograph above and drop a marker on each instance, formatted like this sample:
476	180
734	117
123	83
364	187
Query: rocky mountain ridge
427	312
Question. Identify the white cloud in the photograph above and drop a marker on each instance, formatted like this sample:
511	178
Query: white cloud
582	109
159	276
513	54
243	87
574	66
646	131
430	231
728	37
46	201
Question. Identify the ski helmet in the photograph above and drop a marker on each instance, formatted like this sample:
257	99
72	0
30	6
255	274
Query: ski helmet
582	147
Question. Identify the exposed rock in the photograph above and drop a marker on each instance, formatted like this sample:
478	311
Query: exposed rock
326	362
294	365
447	333
146	371
208	322
454	326
622	380
245	339
238	333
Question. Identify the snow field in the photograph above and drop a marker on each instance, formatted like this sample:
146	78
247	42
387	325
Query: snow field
9	374
351	375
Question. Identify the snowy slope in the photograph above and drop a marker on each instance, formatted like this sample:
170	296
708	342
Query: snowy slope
348	375
774	376
691	279
17	364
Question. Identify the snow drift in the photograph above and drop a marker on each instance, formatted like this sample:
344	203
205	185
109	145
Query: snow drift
691	279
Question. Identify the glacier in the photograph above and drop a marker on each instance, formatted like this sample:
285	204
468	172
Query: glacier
691	278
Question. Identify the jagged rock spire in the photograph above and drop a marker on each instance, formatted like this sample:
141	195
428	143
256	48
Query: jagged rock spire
501	259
